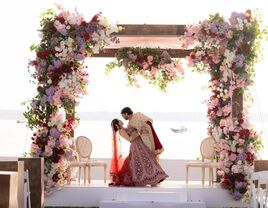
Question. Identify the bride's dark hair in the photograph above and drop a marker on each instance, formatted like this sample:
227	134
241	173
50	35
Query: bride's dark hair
115	124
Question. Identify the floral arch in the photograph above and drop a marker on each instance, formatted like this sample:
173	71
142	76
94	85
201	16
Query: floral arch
225	49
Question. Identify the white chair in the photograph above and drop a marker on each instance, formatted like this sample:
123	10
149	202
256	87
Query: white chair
258	189
27	193
84	150
84	147
207	151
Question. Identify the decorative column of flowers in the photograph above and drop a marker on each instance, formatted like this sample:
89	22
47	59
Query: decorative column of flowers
228	50
153	64
58	70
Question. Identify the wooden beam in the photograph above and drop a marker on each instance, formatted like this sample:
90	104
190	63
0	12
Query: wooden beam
175	53
151	30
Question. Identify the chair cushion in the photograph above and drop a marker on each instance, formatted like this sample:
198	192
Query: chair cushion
198	164
97	163
77	163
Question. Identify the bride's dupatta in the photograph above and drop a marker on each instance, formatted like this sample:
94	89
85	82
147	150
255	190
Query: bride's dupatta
117	160
120	173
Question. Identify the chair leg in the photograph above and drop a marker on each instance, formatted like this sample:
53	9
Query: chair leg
203	176
85	172
187	172
79	174
210	175
69	175
104	169
88	174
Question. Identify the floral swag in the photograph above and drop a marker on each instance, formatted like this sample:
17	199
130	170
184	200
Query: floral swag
66	40
153	64
228	50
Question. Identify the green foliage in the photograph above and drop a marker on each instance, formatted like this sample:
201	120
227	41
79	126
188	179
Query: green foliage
47	17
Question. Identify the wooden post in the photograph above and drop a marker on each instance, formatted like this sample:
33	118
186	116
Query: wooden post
35	167
237	104
68	116
9	189
16	166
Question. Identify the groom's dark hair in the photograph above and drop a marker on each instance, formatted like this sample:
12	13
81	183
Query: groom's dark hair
127	110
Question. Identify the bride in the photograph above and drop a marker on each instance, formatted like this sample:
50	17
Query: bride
140	168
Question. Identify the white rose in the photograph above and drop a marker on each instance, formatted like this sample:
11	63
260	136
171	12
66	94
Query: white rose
239	24
233	148
96	49
57	48
239	162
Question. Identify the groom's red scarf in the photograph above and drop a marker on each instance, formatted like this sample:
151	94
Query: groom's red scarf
157	143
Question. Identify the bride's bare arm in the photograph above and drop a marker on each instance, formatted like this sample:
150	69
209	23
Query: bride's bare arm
131	137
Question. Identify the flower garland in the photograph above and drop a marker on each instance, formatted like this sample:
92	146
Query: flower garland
228	50
58	70
153	64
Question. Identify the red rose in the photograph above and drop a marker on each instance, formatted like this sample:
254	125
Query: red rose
192	56
250	158
87	36
241	121
244	133
83	23
95	18
226	183
45	54
213	35
38	54
61	19
55	177
35	63
222	36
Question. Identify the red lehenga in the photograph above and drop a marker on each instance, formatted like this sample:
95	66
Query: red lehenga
140	168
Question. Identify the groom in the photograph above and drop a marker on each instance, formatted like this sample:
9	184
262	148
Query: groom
144	126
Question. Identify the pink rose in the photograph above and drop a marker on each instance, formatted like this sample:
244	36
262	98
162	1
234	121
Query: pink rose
150	59
179	68
220	164
154	71
232	157
145	66
241	141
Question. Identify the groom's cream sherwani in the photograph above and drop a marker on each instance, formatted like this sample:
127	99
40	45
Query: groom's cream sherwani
138	121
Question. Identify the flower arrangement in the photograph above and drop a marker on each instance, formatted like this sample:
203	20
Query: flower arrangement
228	51
153	64
58	70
